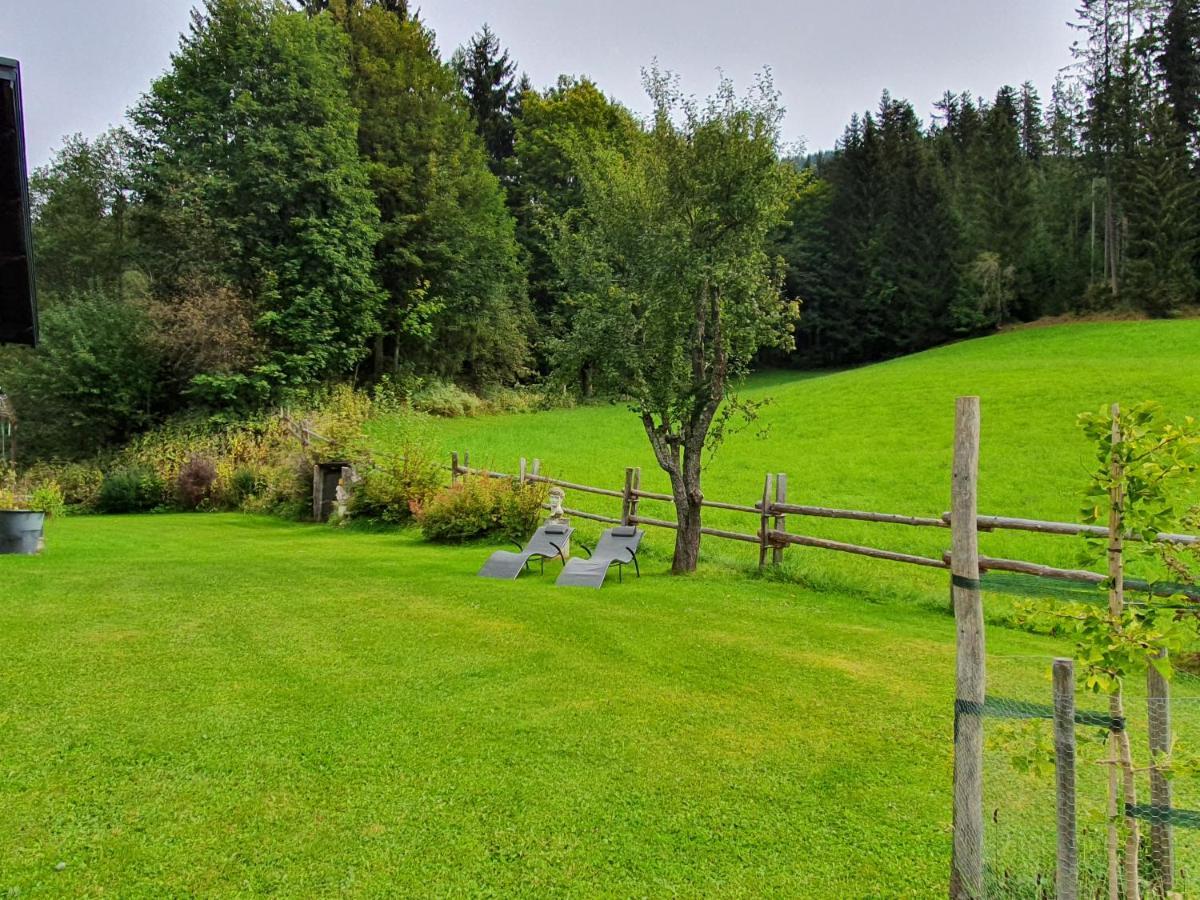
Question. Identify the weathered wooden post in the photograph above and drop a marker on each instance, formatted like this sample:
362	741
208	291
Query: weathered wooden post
537	467
764	522
1162	838
453	466
966	876
627	496
1067	877
522	466
633	495
780	518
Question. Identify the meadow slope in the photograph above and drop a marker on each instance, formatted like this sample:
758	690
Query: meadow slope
879	437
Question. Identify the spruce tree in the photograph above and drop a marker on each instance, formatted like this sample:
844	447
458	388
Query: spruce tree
488	78
1162	207
1179	61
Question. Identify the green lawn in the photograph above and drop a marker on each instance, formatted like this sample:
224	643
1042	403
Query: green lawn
225	704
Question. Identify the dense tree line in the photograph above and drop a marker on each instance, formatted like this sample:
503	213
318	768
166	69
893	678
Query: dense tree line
1006	209
314	193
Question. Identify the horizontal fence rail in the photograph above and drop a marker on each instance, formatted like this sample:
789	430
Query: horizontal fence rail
771	533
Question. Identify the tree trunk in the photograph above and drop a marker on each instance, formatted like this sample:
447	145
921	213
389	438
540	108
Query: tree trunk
688	508
687	538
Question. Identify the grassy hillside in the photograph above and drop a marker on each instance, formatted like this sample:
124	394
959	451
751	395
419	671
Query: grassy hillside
879	438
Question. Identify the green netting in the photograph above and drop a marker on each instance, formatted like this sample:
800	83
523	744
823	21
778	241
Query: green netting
1005	708
1021	585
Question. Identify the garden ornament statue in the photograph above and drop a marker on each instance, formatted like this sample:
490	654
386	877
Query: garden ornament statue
557	496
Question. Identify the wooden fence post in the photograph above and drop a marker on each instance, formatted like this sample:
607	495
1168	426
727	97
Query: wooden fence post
764	522
780	518
537	467
1162	838
466	462
523	466
633	497
627	496
453	466
966	876
1067	878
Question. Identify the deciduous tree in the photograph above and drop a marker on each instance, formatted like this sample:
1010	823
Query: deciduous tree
669	267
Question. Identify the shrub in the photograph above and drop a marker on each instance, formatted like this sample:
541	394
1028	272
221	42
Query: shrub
393	491
443	398
483	506
245	484
195	483
130	490
48	498
92	382
285	490
80	484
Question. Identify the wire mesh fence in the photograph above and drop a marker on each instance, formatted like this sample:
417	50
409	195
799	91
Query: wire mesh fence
1125	801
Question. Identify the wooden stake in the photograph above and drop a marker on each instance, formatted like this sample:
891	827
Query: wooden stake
1067	880
966	877
633	497
1162	838
780	518
522	466
537	467
1119	735
627	498
453	466
764	524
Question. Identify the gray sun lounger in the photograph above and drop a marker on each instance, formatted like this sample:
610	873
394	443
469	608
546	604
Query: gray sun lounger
617	547
547	542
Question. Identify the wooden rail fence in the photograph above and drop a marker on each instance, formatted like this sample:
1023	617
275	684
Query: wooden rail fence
773	537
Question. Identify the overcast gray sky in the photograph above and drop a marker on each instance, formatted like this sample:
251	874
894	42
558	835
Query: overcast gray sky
85	62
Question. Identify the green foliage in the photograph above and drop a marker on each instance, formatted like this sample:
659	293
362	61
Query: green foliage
80	212
396	487
48	498
1164	239
79	483
672	286
246	483
985	294
1149	462
555	133
673	233
487	76
1158	460
444	398
247	168
1029	745
92	382
447	256
130	491
883	286
481	507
